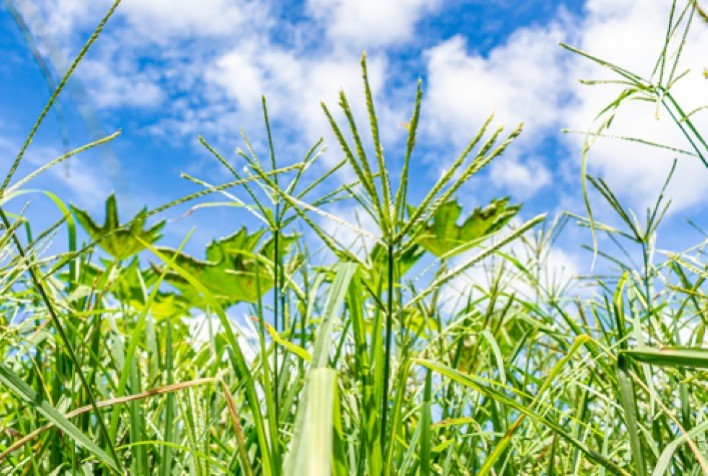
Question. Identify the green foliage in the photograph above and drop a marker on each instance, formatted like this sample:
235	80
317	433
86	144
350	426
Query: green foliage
236	268
444	237
350	363
119	241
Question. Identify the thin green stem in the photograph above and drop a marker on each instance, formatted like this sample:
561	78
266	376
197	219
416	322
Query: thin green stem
54	96
387	353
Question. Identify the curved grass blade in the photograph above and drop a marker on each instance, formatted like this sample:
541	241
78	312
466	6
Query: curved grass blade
36	401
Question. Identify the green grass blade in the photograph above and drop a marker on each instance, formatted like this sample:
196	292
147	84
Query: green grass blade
425	422
472	382
337	293
474	260
696	358
311	449
238	360
36	401
664	461
629	405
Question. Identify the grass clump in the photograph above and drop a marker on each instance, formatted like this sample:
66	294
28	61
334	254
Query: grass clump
351	365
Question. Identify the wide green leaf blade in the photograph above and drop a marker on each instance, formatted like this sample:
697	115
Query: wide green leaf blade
696	358
117	240
444	237
311	449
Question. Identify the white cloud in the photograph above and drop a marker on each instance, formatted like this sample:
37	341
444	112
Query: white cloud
233	57
360	24
529	79
223	55
519	81
521	179
295	85
158	21
62	18
113	86
186	18
630	34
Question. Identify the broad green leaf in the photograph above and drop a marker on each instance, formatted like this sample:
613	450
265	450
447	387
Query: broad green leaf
119	242
444	237
229	271
125	284
236	357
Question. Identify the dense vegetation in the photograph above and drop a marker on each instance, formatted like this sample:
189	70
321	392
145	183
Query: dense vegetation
368	360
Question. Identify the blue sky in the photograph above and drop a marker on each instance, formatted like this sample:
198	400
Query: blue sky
165	71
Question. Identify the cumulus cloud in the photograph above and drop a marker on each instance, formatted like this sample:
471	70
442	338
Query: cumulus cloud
294	85
631	34
64	18
521	80
361	24
169	18
116	87
523	179
154	20
527	78
226	54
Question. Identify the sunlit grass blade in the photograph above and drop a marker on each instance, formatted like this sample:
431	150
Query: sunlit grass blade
696	358
664	461
628	400
425	424
447	276
237	358
311	450
469	381
29	396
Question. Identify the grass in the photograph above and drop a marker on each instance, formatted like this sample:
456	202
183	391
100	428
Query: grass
358	366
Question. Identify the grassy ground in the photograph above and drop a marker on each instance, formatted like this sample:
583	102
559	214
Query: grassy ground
371	361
